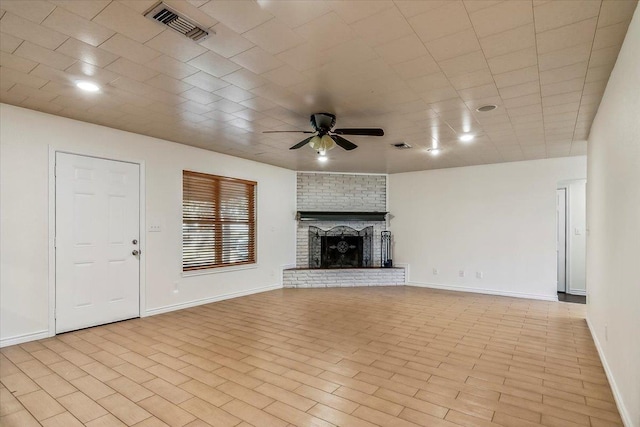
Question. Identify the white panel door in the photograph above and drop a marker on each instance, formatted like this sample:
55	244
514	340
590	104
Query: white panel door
97	232
561	238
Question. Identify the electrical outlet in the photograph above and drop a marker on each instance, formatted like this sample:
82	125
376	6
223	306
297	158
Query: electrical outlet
461	273
435	272
154	228
479	275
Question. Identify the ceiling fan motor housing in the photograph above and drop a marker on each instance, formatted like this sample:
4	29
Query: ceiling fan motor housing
323	122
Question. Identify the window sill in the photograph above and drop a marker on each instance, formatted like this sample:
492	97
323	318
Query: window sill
219	270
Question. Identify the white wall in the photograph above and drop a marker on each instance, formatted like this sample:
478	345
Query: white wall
25	139
577	241
613	220
498	219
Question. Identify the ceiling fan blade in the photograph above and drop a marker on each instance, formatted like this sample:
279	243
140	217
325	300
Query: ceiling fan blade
287	131
301	143
344	143
360	131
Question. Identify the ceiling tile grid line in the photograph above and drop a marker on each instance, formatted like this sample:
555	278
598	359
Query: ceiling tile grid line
417	69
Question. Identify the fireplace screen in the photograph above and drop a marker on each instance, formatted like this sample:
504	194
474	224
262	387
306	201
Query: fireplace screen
340	247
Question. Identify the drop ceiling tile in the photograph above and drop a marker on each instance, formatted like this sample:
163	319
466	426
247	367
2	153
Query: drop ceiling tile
563	120
226	42
382	27
402	50
566	36
45	56
244	79
130	49
169	84
440	94
523	89
240	16
613	12
87	53
453	45
200	96
463	64
569	97
604	56
416	67
214	64
132	70
448	19
558	13
479	92
561	87
562	108
295	13
351	12
513	61
284	76
326	31
83	69
8	43
27	30
612	35
234	93
595	88
9	76
33	10
475	78
77	27
86	9
176	45
193	12
273	36
508	41
259	104
565	73
54	75
16	62
429	82
227	106
195	107
522	101
257	60
171	67
128	22
564	57
598	73
205	81
525	111
40	105
501	17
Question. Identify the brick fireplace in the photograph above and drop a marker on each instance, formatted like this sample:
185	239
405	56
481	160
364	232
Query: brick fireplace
340	220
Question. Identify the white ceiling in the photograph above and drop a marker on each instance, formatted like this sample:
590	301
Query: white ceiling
418	69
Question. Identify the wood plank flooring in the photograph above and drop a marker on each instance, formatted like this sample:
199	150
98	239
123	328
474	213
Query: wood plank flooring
377	356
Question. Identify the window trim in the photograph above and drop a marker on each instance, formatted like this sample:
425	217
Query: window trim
220	268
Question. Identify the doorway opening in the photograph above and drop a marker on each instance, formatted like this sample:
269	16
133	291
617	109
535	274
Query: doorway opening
571	240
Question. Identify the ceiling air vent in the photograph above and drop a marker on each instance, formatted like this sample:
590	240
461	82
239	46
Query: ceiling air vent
169	17
402	146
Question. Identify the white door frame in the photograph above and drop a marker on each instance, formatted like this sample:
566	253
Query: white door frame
567	238
52	230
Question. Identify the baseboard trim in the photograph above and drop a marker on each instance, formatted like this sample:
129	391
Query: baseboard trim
580	292
624	414
19	339
180	306
484	291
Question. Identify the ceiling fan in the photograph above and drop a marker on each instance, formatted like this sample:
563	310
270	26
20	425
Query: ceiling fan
325	138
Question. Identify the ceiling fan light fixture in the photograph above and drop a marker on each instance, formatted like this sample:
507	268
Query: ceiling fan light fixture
322	144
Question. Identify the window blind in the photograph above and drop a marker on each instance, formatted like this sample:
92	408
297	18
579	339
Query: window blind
218	221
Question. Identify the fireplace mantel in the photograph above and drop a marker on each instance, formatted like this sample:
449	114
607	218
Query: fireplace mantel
340	216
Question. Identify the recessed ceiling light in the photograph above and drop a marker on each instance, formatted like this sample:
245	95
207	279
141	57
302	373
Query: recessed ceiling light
88	86
322	158
486	108
466	137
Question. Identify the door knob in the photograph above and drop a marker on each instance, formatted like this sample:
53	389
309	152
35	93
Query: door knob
135	252
134	241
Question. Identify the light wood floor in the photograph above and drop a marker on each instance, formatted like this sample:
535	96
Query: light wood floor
393	356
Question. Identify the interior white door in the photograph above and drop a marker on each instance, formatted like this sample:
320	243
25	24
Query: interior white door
97	232
561	236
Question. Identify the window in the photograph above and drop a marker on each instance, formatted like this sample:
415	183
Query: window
218	221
